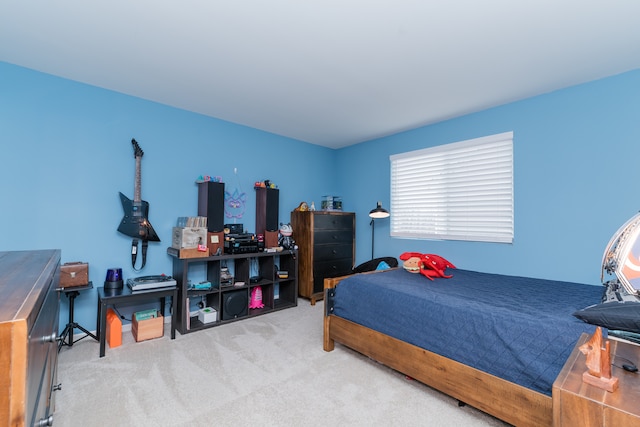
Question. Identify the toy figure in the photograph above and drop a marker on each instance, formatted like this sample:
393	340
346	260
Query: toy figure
285	240
256	298
264	184
208	178
429	265
302	207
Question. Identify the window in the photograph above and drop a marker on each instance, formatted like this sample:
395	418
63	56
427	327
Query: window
458	191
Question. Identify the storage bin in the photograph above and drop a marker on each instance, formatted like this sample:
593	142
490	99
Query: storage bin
147	329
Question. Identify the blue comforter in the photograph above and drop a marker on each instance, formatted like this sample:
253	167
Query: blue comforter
517	328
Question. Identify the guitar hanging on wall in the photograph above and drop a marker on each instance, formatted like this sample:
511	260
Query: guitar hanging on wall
135	222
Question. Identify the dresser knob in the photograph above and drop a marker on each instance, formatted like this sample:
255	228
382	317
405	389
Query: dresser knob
50	338
45	422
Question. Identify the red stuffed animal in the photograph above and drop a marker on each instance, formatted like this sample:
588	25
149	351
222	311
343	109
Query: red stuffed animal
429	265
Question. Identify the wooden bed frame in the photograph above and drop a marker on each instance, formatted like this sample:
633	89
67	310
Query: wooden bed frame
503	399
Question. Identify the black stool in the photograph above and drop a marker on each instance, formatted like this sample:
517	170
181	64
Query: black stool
66	338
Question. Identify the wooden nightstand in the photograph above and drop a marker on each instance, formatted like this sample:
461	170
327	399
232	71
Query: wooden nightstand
578	404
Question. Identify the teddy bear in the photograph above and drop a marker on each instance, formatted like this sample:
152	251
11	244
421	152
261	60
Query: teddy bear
429	265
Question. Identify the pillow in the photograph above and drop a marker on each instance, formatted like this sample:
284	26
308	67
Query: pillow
622	316
383	266
375	264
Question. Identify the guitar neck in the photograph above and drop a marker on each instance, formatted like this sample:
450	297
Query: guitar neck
137	193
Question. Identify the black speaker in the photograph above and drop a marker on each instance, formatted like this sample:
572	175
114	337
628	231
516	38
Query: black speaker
234	304
211	204
267	211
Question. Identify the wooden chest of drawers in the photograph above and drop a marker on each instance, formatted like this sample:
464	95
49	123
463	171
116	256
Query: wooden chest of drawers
326	248
28	330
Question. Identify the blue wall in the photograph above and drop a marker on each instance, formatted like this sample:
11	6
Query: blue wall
576	156
66	154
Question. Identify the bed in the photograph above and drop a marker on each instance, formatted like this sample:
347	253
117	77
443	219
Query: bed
492	341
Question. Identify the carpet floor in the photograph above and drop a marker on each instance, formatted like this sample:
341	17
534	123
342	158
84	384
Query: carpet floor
269	370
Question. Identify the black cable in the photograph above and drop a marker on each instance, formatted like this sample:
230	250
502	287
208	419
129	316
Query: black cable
629	367
624	358
121	316
628	370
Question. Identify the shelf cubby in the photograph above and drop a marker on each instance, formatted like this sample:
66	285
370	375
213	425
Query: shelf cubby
232	302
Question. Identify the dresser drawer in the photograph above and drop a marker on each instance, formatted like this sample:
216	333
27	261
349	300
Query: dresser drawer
333	222
330	252
330	268
28	347
42	351
325	237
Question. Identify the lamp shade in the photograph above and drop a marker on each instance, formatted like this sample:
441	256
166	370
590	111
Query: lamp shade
379	212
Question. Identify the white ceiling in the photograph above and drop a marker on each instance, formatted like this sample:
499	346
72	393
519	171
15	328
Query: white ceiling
330	72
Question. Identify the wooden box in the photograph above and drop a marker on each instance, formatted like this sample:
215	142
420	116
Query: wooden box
74	274
147	329
188	253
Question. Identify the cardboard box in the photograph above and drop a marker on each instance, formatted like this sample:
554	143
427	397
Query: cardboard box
147	329
188	237
74	274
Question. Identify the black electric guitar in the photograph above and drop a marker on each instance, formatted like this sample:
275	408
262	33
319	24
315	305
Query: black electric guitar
135	222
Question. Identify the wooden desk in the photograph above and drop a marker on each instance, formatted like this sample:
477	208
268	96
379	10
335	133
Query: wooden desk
578	404
126	296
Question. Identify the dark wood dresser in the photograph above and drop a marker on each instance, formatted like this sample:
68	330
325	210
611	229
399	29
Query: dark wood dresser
28	336
326	248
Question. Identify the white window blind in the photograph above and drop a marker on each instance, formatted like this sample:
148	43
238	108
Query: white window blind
458	191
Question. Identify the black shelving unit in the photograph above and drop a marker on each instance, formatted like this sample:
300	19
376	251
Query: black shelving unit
278	292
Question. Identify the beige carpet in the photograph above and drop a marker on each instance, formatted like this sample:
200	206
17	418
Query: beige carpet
269	370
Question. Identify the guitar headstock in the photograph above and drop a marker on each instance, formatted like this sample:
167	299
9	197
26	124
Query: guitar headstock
137	151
